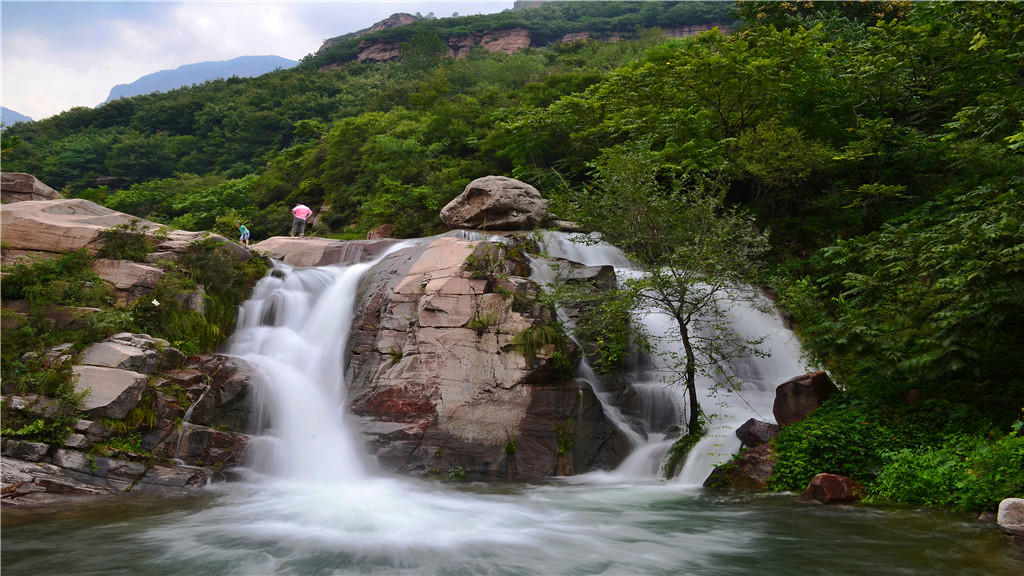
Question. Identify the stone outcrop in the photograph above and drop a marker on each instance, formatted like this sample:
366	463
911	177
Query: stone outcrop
798	397
437	384
496	203
750	471
832	489
199	409
21	187
309	251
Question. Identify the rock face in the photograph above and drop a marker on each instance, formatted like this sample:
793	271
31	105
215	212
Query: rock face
21	187
798	397
496	203
832	489
438	386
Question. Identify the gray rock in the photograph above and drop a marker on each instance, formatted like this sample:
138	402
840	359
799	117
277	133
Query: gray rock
123	356
496	203
112	392
1011	516
24	450
756	432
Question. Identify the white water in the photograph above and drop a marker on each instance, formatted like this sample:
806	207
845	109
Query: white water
662	402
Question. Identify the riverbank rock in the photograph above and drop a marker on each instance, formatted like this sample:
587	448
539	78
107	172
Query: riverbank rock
749	471
832	489
438	386
197	414
21	187
496	203
1011	518
798	397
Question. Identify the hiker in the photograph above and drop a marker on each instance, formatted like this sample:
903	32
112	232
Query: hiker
244	233
301	213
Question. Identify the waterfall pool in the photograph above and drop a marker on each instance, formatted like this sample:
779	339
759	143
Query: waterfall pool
594	525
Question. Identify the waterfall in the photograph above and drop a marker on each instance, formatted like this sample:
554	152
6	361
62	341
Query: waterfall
294	330
661	401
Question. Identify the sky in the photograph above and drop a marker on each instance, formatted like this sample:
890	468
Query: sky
58	55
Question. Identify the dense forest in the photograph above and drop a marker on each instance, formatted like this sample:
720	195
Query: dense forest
879	144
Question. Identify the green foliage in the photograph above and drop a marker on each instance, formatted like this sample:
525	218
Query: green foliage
49	431
961	472
837	439
510	447
126	242
538	337
482	321
565	437
680	450
931	303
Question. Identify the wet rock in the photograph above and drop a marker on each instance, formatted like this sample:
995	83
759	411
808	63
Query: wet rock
757	432
798	397
751	470
832	489
308	251
496	203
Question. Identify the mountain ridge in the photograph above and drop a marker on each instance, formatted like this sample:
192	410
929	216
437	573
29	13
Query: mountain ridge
197	73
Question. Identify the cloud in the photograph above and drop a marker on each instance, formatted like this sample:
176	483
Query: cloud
57	55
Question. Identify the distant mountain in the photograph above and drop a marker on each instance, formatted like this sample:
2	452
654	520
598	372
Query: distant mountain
8	117
189	74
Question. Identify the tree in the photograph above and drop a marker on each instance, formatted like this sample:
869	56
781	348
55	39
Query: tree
697	255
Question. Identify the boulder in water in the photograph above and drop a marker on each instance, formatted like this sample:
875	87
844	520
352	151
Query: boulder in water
750	471
832	489
1011	516
496	203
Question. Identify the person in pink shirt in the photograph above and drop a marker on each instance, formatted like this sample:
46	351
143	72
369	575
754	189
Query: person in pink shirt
301	213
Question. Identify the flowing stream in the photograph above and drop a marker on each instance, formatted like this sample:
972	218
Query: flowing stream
314	503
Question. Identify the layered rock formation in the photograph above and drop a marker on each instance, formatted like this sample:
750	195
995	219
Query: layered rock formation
438	383
21	187
197	410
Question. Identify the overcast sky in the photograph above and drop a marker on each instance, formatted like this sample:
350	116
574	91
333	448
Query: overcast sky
58	55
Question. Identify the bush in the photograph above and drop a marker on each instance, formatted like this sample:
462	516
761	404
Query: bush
126	242
963	472
837	438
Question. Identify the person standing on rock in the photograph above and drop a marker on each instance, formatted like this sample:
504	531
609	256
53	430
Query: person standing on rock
301	213
243	232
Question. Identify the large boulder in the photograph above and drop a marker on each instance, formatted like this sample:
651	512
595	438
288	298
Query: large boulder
21	187
437	384
799	396
496	203
111	392
757	432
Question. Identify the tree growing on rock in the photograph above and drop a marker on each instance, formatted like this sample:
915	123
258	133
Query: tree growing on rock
697	257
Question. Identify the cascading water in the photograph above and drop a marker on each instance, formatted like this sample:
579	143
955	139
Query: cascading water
661	402
294	329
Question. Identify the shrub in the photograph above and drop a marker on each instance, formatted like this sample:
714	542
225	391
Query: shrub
126	242
537	337
836	438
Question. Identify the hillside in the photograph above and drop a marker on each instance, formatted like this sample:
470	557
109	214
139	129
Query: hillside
8	117
189	74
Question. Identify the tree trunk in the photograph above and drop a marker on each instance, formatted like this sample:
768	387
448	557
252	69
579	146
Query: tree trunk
691	374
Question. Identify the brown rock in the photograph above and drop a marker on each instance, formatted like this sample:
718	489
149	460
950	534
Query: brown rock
798	397
750	471
21	187
507	41
756	432
832	489
496	203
